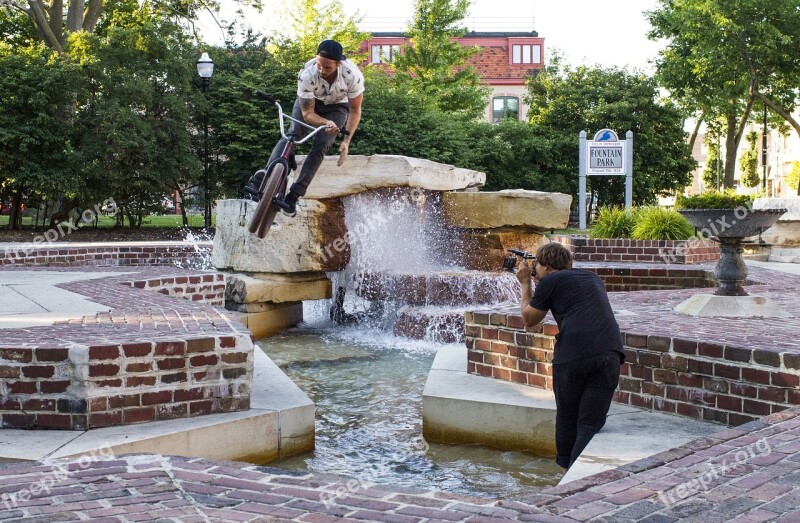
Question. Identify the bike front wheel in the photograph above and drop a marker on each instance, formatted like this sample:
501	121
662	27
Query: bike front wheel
266	209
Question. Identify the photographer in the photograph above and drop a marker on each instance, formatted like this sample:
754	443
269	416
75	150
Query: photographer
588	350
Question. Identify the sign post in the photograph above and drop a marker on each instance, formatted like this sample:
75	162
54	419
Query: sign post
605	155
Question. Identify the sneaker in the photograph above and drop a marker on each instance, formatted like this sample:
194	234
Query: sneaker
289	204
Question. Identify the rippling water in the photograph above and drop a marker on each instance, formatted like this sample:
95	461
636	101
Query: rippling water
367	386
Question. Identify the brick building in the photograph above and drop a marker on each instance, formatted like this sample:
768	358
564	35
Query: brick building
504	61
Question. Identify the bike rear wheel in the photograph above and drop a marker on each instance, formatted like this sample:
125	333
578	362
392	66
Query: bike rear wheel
266	209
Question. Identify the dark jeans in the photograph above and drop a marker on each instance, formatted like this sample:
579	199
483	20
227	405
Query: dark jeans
583	390
322	141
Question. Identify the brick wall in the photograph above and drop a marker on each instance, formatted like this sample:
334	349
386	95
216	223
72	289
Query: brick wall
621	279
82	387
206	288
714	382
640	251
111	255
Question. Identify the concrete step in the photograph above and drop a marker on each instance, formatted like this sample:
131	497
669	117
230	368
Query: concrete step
461	408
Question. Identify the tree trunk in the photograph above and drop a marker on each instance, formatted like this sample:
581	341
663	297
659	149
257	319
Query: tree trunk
695	133
730	152
14	215
184	218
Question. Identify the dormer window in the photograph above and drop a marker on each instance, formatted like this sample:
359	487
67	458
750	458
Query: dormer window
526	54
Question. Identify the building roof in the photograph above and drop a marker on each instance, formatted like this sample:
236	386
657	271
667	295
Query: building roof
470	34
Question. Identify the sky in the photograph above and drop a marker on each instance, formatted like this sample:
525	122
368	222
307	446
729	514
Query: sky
605	32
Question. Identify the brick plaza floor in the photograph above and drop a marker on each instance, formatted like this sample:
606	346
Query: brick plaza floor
748	473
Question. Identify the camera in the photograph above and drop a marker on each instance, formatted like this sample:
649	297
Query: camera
510	262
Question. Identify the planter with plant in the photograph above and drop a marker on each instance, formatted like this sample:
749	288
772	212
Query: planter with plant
729	219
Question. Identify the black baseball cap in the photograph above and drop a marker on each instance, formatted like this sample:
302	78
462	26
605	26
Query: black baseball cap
330	49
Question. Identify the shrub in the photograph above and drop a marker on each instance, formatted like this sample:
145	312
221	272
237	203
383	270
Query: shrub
659	223
714	200
613	222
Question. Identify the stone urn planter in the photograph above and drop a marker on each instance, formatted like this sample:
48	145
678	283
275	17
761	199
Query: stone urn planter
730	227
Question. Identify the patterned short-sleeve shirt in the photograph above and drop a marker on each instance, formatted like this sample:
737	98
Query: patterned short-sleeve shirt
349	83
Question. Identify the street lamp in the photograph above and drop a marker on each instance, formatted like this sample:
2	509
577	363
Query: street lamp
205	68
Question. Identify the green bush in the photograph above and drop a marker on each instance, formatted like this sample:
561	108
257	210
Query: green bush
659	223
613	222
714	200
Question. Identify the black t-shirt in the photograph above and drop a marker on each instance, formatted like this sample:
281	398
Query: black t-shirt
579	303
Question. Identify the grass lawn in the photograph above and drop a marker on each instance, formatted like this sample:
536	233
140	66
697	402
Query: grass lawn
155	220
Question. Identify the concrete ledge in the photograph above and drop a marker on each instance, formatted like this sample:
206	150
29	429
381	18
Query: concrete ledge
280	423
462	408
633	434
268	322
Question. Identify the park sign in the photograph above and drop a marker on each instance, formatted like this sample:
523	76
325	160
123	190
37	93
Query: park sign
606	153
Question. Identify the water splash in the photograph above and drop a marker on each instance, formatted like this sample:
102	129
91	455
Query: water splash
404	268
200	259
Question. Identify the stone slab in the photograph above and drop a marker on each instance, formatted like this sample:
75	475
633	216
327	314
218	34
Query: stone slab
364	173
709	305
267	323
631	436
292	245
276	288
511	208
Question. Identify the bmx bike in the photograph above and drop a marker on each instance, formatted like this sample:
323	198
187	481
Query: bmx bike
274	177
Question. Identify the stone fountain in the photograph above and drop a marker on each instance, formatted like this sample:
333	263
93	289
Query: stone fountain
730	227
410	238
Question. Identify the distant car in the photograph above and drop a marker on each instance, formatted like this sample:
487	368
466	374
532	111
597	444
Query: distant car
6	210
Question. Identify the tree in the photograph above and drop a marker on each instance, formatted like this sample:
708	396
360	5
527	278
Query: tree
55	21
245	128
714	169
748	163
793	178
435	64
724	55
564	101
37	160
132	123
309	24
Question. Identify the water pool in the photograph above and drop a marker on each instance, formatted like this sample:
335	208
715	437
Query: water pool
367	386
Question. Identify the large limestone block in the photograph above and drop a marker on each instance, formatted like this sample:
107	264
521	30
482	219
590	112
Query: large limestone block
312	241
276	288
484	249
364	173
512	208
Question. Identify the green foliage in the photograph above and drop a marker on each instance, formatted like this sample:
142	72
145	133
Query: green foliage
714	200
395	121
309	24
719	54
613	222
659	223
132	123
37	158
434	65
748	163
244	128
793	177
715	166
564	101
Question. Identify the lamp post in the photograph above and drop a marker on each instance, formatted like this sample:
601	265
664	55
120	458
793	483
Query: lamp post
764	152
205	68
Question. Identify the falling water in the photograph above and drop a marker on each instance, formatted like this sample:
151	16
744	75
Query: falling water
201	258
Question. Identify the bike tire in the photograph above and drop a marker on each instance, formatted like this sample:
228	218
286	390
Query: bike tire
265	211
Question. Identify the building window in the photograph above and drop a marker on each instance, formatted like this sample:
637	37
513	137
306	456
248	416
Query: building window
505	107
382	54
526	54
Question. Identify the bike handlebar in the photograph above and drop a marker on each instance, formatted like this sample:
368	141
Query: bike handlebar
281	115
